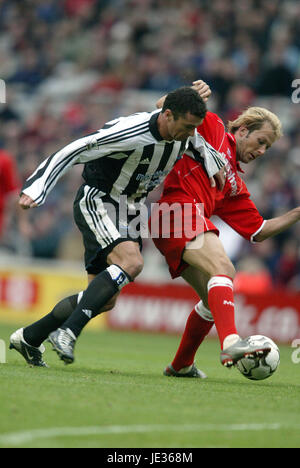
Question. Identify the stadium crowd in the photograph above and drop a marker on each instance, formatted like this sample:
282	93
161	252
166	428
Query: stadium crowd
71	65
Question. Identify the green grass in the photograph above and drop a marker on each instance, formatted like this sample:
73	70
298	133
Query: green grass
117	382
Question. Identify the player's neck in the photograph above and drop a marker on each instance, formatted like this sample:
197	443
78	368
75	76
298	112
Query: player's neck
162	128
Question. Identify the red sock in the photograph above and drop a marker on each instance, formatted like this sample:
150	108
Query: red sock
195	331
221	304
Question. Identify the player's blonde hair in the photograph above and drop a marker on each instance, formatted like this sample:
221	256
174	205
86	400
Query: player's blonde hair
253	119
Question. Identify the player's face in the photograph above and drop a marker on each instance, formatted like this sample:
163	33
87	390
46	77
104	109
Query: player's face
252	145
183	127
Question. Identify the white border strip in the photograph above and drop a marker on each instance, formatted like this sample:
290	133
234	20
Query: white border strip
257	232
25	437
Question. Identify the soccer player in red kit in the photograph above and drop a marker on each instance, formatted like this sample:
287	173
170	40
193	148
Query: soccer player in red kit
200	257
9	187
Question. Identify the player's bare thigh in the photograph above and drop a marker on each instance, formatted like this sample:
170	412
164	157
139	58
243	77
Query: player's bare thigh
206	253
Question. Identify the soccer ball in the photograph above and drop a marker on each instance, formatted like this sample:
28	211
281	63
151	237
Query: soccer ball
260	368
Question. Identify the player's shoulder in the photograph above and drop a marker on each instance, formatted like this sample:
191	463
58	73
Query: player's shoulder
212	119
130	120
213	130
212	124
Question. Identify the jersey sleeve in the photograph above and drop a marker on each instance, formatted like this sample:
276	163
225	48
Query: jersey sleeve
206	144
213	130
241	214
115	136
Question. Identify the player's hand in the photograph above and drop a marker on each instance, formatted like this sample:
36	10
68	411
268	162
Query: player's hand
202	88
26	202
219	179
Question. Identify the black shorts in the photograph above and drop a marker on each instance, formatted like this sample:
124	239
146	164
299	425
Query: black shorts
104	224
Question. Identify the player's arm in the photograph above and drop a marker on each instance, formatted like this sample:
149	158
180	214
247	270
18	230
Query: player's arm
112	137
203	89
274	226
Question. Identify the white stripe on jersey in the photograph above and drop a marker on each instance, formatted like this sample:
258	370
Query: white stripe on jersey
128	169
95	215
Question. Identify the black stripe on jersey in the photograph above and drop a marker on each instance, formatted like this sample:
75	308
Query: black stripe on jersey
107	126
99	225
162	165
125	132
53	175
197	156
39	173
91	212
126	136
148	152
165	156
217	160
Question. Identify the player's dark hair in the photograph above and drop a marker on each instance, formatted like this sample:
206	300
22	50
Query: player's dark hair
184	100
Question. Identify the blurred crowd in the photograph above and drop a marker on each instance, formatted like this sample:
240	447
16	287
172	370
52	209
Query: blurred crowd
71	65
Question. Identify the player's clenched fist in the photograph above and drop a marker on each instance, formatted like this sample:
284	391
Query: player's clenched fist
26	202
202	88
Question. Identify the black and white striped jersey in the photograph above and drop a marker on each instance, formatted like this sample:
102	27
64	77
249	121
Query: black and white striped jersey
127	156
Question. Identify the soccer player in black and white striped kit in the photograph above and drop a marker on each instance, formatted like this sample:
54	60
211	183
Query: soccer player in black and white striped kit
129	157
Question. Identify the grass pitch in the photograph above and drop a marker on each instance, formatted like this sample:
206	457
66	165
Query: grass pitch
115	395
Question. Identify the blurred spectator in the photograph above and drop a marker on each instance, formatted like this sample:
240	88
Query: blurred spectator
72	65
252	277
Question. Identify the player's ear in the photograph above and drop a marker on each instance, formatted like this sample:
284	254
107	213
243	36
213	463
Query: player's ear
242	131
168	114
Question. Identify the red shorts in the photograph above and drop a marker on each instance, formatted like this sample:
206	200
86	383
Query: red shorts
172	226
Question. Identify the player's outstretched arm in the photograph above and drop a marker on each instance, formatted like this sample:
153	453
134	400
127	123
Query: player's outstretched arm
276	225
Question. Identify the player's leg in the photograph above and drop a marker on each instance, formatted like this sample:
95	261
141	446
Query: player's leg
111	255
101	290
28	341
125	264
198	325
36	333
207	254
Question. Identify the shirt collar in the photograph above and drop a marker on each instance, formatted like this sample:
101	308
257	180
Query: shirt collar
153	127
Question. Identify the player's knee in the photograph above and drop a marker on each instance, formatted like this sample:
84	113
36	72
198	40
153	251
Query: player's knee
134	266
129	259
222	266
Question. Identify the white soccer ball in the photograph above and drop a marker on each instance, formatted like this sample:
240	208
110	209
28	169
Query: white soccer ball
260	368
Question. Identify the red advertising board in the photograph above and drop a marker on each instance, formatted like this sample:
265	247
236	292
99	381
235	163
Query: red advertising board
165	308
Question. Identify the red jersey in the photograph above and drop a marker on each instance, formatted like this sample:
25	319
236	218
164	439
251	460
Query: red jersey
188	181
9	181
